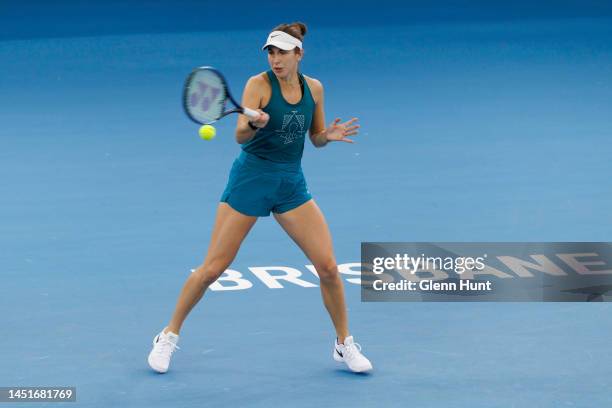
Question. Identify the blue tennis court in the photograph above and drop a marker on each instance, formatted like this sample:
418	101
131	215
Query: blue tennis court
472	130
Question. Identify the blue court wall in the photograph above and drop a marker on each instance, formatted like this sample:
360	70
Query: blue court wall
67	18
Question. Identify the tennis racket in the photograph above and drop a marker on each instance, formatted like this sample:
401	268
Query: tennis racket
206	94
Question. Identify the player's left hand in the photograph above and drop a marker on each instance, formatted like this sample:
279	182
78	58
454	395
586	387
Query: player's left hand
339	132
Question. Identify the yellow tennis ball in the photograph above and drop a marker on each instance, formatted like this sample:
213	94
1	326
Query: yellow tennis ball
207	132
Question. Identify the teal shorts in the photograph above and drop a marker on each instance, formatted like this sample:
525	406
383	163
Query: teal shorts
257	186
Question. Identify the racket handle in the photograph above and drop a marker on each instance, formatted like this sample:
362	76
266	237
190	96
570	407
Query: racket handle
252	114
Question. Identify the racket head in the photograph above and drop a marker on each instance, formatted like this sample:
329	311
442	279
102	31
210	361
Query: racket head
205	95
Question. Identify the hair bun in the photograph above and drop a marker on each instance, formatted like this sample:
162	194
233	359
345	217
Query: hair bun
301	27
296	29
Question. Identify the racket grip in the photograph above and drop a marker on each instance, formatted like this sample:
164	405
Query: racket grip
252	114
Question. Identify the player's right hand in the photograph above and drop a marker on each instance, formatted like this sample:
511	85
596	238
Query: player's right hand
262	120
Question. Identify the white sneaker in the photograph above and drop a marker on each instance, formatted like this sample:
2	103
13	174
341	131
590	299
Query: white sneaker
350	353
164	345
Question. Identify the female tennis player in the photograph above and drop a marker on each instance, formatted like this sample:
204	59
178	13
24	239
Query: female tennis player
267	177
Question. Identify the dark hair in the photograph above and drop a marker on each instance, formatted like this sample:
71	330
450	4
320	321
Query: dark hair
296	29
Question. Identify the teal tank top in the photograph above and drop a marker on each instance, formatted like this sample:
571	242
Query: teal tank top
282	139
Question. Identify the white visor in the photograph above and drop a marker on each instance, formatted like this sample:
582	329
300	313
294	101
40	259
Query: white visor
282	40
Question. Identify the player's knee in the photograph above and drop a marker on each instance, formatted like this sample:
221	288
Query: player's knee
327	270
209	272
207	276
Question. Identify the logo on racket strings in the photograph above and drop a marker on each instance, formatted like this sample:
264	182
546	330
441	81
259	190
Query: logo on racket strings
204	96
